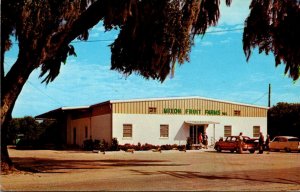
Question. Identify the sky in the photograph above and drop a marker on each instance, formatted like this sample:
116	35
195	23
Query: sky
217	69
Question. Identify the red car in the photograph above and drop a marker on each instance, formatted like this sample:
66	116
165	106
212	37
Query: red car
231	144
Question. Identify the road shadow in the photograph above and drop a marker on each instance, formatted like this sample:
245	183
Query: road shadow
248	177
47	165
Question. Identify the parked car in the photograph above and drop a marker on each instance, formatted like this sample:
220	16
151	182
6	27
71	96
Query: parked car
287	143
231	144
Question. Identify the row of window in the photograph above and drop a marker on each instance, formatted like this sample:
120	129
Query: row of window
164	130
127	130
228	131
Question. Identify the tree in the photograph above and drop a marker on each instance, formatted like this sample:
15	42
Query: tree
34	133
272	27
27	126
284	119
154	35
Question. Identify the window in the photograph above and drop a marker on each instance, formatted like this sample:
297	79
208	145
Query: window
227	130
293	139
256	131
127	130
86	132
164	130
237	113
152	110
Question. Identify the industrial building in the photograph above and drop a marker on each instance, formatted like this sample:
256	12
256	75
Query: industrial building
158	121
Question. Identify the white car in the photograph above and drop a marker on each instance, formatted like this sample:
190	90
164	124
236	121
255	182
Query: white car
287	143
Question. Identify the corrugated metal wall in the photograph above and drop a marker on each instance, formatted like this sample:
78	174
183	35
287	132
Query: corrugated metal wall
192	106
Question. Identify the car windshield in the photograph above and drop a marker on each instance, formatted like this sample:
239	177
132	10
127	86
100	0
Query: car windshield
276	139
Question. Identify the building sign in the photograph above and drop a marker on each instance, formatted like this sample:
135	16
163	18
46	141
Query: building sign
172	111
192	111
212	112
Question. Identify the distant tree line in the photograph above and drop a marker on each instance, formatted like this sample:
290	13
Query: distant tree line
27	131
284	119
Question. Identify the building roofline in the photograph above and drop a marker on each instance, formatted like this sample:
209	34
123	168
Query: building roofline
187	97
42	116
74	108
146	99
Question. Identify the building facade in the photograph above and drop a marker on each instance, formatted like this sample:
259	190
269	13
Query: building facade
160	121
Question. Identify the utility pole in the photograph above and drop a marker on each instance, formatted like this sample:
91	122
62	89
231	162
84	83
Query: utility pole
269	98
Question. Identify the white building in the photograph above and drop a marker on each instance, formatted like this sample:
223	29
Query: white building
159	121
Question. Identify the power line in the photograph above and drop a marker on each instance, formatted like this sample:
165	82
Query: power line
260	98
225	30
44	93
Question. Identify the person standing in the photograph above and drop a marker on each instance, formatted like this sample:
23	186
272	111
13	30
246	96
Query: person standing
240	143
200	139
261	141
267	143
205	140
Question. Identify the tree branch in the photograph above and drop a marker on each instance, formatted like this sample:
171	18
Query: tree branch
86	20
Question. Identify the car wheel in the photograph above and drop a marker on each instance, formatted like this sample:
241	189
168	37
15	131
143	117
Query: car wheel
218	149
287	150
231	151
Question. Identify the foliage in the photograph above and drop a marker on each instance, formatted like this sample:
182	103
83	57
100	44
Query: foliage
114	145
139	147
189	143
51	134
36	134
101	145
27	126
272	27
284	119
88	145
147	147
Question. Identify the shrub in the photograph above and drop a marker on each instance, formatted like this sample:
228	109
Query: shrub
139	146
181	147
166	147
114	145
126	146
96	145
188	143
147	147
88	145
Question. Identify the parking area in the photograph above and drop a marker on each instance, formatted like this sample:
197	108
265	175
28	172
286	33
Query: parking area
153	171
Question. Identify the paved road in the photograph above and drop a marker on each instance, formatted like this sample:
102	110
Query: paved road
154	171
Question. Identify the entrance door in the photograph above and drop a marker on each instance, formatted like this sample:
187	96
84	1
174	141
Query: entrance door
195	131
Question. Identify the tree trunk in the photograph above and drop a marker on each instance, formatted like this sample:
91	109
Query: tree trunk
11	87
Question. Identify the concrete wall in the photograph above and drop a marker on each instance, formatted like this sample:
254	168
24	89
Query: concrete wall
101	127
146	127
79	125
